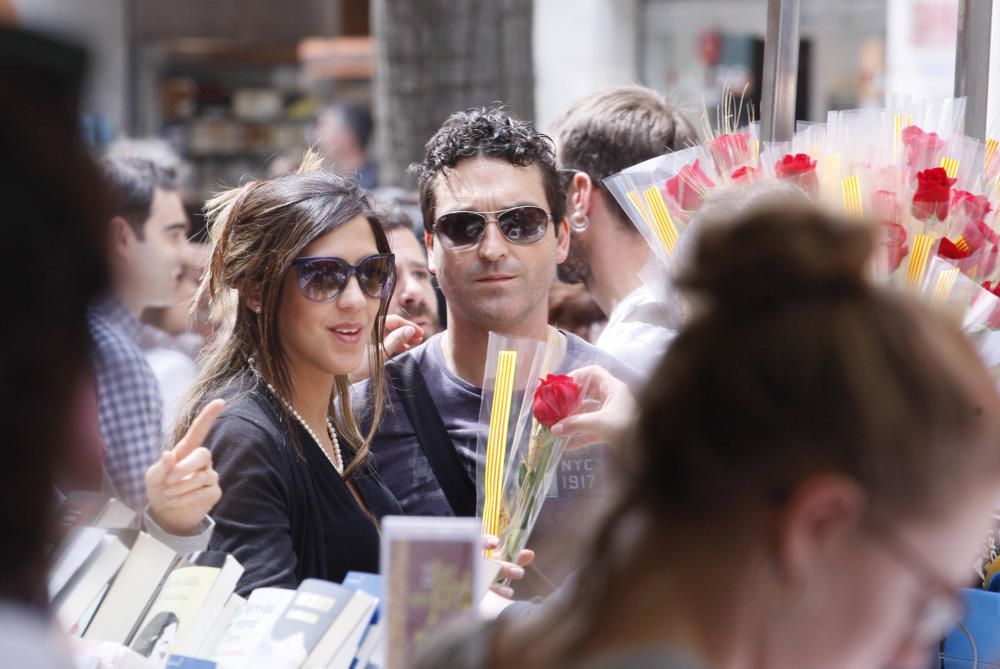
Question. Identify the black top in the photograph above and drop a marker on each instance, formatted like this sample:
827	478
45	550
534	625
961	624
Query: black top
284	518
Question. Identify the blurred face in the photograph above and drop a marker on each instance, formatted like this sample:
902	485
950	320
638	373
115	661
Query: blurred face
497	284
864	607
158	259
414	298
337	143
329	338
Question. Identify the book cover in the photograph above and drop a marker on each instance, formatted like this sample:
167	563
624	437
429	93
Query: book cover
84	508
189	642
252	625
178	604
77	599
136	584
365	582
430	569
301	625
213	640
340	642
371	584
371	646
76	549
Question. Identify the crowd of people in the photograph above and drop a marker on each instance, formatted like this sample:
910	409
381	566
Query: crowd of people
795	470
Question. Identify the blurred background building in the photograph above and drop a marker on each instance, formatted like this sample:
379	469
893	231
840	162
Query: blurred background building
235	86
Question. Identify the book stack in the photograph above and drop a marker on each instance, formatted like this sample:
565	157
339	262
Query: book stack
134	603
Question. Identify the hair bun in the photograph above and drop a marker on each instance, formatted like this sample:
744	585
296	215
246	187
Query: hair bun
778	252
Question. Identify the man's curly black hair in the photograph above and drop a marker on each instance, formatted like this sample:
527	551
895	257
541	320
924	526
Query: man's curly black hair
493	133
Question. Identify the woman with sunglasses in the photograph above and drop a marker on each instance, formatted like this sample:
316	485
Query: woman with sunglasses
813	468
301	273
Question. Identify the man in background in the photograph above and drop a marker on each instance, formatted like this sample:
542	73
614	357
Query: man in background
414	298
147	246
596	137
343	134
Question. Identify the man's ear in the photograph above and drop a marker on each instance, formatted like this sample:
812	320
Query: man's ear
121	236
562	240
580	194
817	521
431	260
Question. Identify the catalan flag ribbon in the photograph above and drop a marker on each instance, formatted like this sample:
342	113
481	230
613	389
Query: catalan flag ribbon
944	284
918	259
950	166
853	202
656	215
496	450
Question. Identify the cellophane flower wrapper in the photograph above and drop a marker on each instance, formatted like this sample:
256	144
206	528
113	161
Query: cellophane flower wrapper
515	463
513	367
735	154
991	158
977	309
942	208
530	473
661	195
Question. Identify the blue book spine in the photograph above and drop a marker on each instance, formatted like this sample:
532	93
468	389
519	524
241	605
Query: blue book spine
367	583
183	662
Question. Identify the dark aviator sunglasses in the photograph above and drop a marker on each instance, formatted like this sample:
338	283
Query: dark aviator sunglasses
323	279
463	230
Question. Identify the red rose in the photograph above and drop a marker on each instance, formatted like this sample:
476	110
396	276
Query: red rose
895	242
730	150
689	186
978	233
895	234
744	174
885	207
799	168
556	398
921	147
947	249
969	206
933	194
895	255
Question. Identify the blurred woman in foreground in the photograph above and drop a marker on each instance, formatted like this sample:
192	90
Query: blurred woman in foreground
813	468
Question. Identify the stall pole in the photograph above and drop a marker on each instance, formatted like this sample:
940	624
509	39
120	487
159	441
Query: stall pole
781	68
972	62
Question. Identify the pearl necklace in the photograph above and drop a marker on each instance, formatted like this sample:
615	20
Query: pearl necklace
336	462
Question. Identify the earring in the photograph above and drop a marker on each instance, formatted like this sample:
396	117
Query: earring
256	310
579	221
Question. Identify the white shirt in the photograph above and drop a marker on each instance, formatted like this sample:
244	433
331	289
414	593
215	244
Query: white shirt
637	332
175	374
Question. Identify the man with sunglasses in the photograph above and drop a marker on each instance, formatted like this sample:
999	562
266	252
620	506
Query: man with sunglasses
596	137
494	217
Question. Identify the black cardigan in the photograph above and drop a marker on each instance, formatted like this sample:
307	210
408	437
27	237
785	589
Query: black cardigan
283	518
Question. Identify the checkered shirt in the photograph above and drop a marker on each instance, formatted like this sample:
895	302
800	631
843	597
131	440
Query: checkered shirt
128	398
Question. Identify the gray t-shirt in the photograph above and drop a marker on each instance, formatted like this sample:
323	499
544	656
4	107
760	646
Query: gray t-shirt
578	492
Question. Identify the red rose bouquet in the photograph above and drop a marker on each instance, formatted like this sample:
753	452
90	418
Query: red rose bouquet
661	195
799	169
731	151
933	194
688	188
516	449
